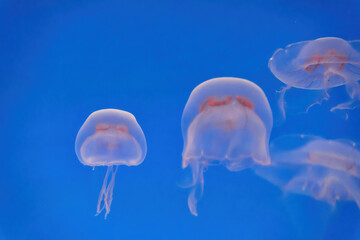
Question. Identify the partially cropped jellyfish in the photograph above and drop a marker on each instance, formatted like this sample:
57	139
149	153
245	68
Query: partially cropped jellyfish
319	64
110	137
326	170
226	121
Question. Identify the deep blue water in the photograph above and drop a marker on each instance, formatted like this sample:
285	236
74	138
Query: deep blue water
62	60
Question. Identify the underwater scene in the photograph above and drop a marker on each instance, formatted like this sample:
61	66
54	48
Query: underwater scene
201	119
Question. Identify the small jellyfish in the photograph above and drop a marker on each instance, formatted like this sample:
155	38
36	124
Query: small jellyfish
226	121
319	64
110	137
327	170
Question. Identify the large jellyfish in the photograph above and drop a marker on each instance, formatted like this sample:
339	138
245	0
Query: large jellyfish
226	121
110	137
327	170
319	64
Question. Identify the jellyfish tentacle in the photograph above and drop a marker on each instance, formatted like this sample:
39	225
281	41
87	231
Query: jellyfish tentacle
326	85
353	90
325	96
281	101
197	190
109	191
192	166
101	206
344	106
106	192
195	169
318	102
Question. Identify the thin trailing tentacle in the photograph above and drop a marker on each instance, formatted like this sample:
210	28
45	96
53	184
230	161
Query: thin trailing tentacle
325	96
109	191
101	206
326	84
197	189
281	101
106	192
344	106
353	90
194	166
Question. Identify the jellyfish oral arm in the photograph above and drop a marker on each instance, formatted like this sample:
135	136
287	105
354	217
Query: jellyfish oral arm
353	90
196	192
344	106
106	193
326	95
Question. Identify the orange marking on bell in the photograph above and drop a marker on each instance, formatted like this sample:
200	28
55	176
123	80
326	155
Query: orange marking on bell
213	103
202	106
339	57
121	128
311	67
245	102
322	60
342	66
317	58
102	127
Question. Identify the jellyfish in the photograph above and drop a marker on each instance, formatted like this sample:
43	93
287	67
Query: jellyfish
326	170
110	137
226	121
319	64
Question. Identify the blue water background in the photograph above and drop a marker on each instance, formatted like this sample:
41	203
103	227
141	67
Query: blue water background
62	60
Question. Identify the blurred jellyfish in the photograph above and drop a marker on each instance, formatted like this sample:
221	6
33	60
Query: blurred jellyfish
110	137
327	170
319	64
225	121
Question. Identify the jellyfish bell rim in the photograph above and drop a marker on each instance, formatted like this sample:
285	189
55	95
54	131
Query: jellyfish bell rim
112	163
208	160
88	128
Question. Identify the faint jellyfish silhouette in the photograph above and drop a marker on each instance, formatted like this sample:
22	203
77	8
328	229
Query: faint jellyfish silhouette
110	137
226	121
326	170
319	64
